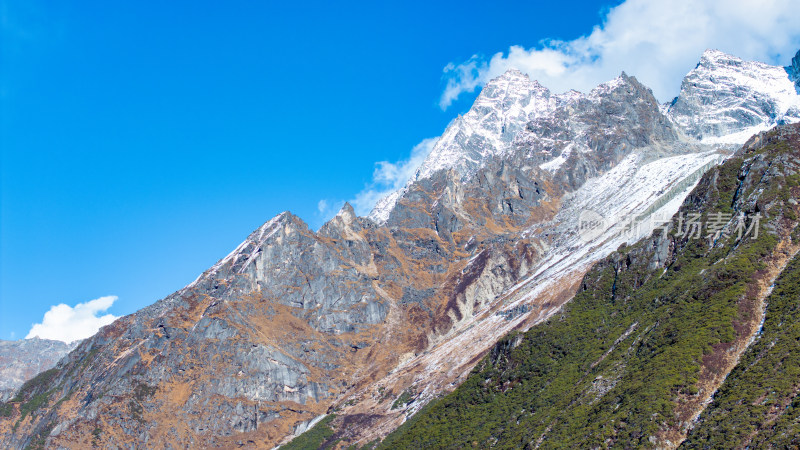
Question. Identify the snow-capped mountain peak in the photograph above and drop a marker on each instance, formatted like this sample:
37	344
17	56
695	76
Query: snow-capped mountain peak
713	57
725	99
503	107
609	86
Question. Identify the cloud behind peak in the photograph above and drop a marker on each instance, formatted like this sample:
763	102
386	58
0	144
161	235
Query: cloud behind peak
658	42
68	324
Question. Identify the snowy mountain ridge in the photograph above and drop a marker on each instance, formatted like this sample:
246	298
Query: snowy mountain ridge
723	101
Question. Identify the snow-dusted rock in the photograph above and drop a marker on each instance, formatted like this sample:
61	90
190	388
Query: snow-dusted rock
503	108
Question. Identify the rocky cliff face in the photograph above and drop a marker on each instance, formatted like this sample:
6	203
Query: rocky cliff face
21	360
294	323
794	71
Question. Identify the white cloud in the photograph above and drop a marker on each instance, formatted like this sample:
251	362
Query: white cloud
389	177
66	323
658	42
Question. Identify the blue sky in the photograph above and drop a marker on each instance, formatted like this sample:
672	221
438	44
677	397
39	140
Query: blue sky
142	141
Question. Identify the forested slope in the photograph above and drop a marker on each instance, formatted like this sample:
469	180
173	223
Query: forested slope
654	331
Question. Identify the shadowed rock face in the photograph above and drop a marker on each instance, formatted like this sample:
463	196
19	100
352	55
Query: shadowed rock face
296	323
21	360
794	71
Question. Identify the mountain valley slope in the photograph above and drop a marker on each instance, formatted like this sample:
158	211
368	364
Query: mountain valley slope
637	354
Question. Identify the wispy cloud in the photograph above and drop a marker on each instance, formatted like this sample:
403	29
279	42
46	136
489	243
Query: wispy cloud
66	323
386	178
658	42
322	206
389	177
